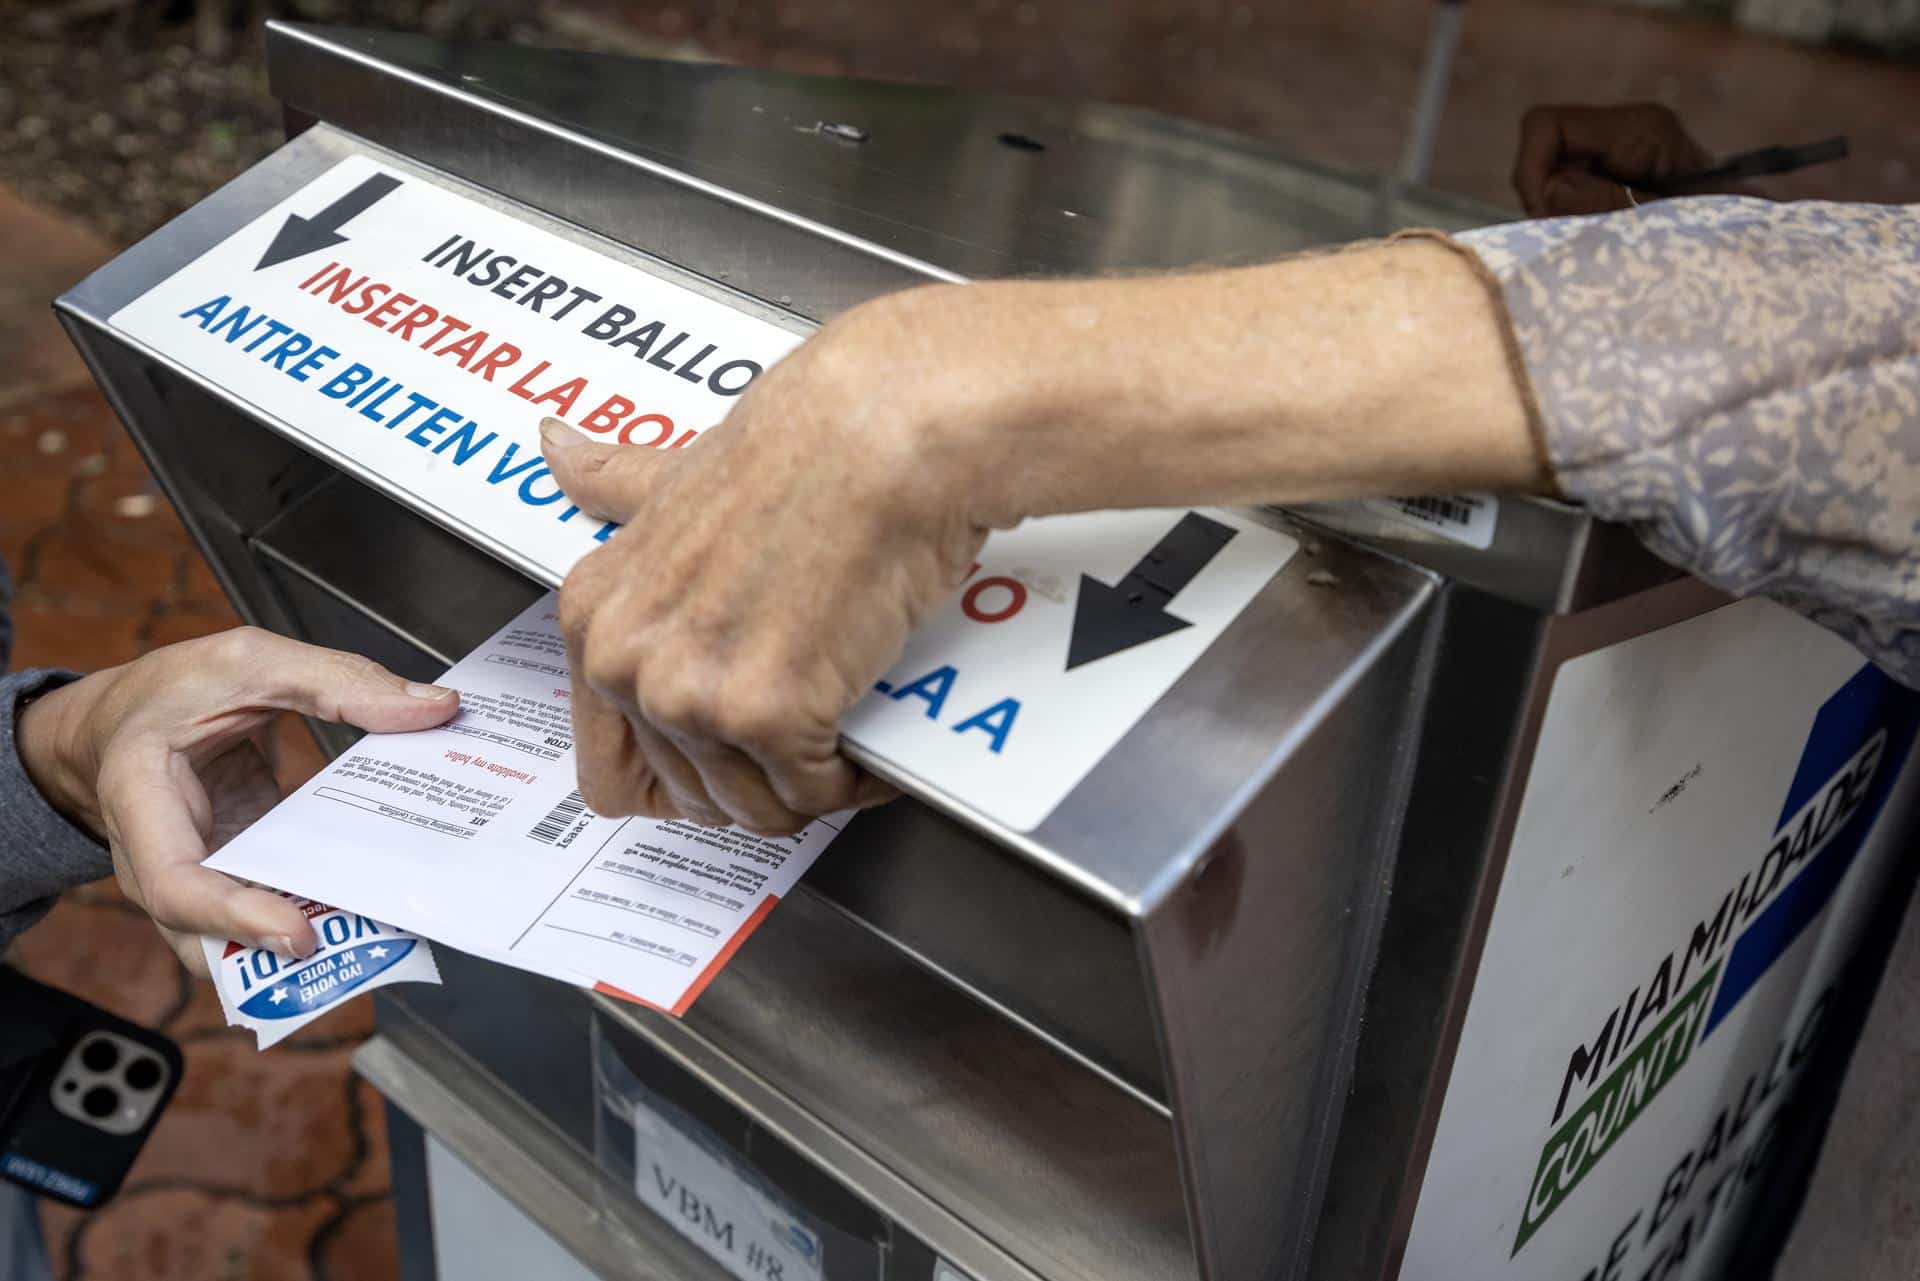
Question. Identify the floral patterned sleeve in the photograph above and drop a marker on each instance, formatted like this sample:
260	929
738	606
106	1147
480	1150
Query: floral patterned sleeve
1740	381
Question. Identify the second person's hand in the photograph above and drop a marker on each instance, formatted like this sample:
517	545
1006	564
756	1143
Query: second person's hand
162	759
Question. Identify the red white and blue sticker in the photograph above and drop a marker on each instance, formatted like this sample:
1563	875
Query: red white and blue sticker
277	995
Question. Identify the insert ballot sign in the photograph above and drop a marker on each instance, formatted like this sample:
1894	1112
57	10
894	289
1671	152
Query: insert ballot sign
406	331
417	337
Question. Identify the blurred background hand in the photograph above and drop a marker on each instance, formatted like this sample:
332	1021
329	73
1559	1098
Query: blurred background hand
1583	160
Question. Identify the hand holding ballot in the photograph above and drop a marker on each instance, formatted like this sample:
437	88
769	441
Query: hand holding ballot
162	759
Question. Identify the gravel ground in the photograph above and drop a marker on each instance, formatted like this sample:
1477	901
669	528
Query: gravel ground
116	112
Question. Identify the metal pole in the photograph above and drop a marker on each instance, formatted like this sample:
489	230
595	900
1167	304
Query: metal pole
1430	100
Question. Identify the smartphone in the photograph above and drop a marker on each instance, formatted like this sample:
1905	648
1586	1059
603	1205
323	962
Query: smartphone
80	1091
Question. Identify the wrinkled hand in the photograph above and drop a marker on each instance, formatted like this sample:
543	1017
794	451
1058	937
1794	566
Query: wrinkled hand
765	576
1575	160
164	759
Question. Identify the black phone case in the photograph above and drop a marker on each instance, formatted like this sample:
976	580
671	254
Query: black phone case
47	1152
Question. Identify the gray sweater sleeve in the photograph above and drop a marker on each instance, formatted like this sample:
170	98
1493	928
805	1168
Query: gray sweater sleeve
41	853
1740	382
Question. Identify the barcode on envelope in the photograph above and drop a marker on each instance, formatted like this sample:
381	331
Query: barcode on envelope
559	819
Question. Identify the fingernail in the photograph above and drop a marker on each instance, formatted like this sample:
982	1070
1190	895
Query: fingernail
559	435
283	944
418	690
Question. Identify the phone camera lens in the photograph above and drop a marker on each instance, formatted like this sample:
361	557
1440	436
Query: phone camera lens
100	1055
100	1102
143	1074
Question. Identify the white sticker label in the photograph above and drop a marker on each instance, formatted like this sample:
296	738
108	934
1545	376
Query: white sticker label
423	335
697	1191
1470	519
1462	518
1065	634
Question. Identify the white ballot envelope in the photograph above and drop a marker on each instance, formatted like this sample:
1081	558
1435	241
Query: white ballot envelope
473	835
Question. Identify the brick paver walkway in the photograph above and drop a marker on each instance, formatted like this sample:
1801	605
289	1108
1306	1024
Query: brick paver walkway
266	1166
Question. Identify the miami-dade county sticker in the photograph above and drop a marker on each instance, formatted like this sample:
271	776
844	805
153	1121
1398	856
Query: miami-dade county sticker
1710	811
1062	637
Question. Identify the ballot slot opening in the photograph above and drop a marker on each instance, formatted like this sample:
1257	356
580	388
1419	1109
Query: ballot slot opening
239	468
371	556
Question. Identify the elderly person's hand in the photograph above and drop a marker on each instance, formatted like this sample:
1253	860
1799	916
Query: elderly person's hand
771	571
1582	160
766	574
164	759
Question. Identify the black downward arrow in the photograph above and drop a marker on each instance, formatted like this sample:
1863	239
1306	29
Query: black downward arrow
304	235
1107	619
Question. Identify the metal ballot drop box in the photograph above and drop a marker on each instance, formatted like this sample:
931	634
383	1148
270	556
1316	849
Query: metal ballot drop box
1224	1013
